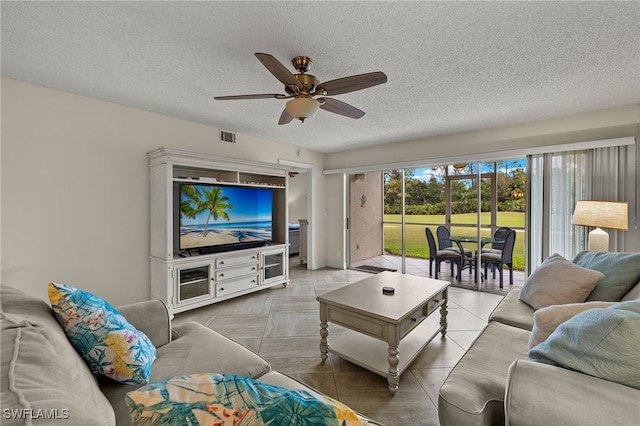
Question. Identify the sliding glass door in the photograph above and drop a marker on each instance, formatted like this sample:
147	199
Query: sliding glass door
470	201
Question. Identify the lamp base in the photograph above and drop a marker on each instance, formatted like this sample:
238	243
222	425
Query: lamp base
598	240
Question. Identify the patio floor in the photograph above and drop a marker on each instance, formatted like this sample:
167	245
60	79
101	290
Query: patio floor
420	267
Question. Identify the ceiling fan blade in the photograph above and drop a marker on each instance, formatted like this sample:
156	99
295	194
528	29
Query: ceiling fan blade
263	96
278	70
285	117
351	84
339	107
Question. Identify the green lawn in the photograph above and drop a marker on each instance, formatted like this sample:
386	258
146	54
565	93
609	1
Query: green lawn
416	244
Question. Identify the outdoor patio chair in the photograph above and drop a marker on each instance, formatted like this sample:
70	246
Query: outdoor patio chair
444	240
496	248
440	256
500	235
505	257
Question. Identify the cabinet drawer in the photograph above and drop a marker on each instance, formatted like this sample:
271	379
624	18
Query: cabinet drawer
413	320
226	274
234	286
435	302
363	324
223	262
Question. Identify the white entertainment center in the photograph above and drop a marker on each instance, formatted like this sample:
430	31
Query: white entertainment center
187	279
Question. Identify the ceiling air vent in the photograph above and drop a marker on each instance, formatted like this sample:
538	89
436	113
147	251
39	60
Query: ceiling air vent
227	136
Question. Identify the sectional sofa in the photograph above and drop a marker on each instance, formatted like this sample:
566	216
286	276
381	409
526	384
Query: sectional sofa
501	381
43	379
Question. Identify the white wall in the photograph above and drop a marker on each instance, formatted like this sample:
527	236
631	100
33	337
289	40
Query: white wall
335	213
605	124
298	196
75	188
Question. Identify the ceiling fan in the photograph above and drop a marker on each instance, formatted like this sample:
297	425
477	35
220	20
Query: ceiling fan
302	89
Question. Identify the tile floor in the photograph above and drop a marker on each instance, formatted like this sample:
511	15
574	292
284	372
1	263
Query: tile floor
282	325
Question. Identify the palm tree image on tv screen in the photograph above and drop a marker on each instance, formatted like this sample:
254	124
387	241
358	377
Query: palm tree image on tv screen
220	215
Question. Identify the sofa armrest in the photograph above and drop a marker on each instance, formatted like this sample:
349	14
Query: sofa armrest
541	394
514	312
152	318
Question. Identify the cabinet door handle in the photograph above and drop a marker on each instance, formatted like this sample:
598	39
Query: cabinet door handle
222	275
222	262
413	320
221	288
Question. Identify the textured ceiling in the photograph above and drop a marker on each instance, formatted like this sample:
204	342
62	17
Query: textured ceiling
451	66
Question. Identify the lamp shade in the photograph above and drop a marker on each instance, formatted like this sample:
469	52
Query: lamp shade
302	108
601	214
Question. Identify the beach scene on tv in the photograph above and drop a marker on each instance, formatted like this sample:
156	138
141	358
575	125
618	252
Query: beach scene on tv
213	215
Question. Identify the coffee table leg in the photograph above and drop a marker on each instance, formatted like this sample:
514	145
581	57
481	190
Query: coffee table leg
443	313
324	346
392	378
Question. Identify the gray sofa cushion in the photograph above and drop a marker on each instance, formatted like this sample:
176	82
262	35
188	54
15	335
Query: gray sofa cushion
513	311
198	349
473	394
40	370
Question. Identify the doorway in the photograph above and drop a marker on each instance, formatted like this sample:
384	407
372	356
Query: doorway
300	209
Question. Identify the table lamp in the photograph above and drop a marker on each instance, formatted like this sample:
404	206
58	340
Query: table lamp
601	214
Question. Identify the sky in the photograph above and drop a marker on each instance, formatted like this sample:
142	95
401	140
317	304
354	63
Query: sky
248	203
425	173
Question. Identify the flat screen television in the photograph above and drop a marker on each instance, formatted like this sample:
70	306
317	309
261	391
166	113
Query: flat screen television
216	218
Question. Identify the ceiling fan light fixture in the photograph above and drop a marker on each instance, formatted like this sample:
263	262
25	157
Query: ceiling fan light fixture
302	87
302	108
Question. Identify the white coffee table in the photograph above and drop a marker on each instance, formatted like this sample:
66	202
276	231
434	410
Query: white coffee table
385	332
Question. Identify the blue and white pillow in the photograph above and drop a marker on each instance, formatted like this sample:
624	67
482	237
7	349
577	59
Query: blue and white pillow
107	342
225	399
599	342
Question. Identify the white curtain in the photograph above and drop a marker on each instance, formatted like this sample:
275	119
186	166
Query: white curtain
569	183
556	182
535	212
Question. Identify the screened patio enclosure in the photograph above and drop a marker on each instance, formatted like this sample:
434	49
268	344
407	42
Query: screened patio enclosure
471	200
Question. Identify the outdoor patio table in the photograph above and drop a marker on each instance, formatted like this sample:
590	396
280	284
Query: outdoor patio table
483	240
470	261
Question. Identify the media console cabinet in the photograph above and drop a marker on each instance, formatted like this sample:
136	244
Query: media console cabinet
186	279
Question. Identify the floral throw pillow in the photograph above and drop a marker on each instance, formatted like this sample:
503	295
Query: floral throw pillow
225	399
107	342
